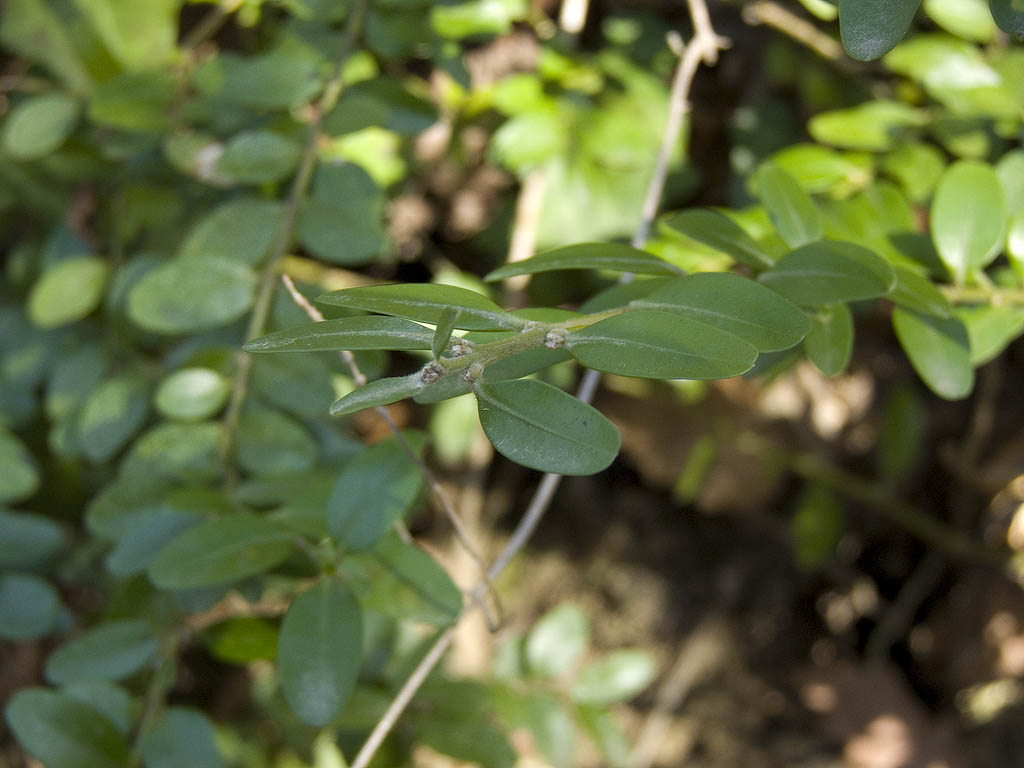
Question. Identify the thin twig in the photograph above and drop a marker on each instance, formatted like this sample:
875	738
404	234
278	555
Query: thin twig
799	29
704	47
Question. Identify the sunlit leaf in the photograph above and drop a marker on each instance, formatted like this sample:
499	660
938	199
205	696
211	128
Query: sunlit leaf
968	217
720	232
830	342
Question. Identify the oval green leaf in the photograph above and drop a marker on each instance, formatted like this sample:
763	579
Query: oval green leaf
734	304
39	125
63	732
107	651
830	342
721	233
871	28
28	606
20	477
792	210
181	738
320	651
829	272
939	350
424	303
611	256
542	427
380	392
239	230
220	551
914	291
619	676
112	414
191	394
27	539
661	345
557	641
968	217
258	157
68	291
346	333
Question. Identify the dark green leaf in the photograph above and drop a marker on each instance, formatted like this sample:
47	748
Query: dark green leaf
28	606
152	529
258	157
380	392
830	342
374	490
968	217
33	30
181	738
107	651
734	304
320	651
871	28
243	640
108	699
661	345
134	101
792	210
901	444
27	539
424	303
619	676
20	477
270	442
1009	15
722	233
816	527
341	221
186	452
621	294
611	256
916	292
346	333
63	732
68	291
191	394
829	272
443	332
542	427
285	77
220	551
938	349
240	230
557	641
112	414
39	125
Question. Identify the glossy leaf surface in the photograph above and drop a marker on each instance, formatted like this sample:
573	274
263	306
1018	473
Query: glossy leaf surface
968	218
871	28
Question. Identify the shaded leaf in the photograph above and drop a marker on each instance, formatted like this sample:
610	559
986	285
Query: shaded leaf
285	77
258	157
1009	15
271	442
34	31
829	345
27	539
151	530
720	232
181	738
816	527
792	210
110	700
939	350
20	477
28	606
108	651
611	256
443	332
112	414
341	221
990	330
239	230
871	28
829	272
917	292
379	392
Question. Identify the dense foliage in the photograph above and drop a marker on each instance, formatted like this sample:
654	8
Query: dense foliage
165	451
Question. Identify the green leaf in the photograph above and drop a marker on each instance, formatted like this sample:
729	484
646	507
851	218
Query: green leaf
112	414
916	292
63	732
29	607
816	527
108	651
362	332
341	221
39	125
20	477
243	640
661	345
939	350
110	700
829	345
990	330
239	230
734	304
424	302
720	232
792	211
1010	170
619	676
30	28
542	427
181	738
1015	242
151	530
443	332
820	169
1009	15
320	651
269	442
476	17
68	291
374	490
183	296
901	444
138	35
557	641
607	735
186	452
191	394
285	77
829	272
968	19
917	168
545	718
134	101
27	539
968	217
376	393
258	157
875	126
220	551
871	28
611	256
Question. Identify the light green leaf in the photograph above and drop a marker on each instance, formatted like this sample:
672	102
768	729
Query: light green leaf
346	333
269	442
320	651
917	292
969	19
110	700
546	719
258	157
830	342
243	640
820	169
108	651
39	125
939	350
917	168
68	291
20	477
557	641
606	733
181	738
219	551
990	330
720	232
734	304
661	345
542	427
871	28
341	221
443	332
134	101
63	732
239	230
139	35
26	539
28	607
792	211
476	17
875	126
612	256
1009	15
968	217
374	490
376	393
619	676
191	394
112	413
182	296
1010	170
829	272
1015	242
424	302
